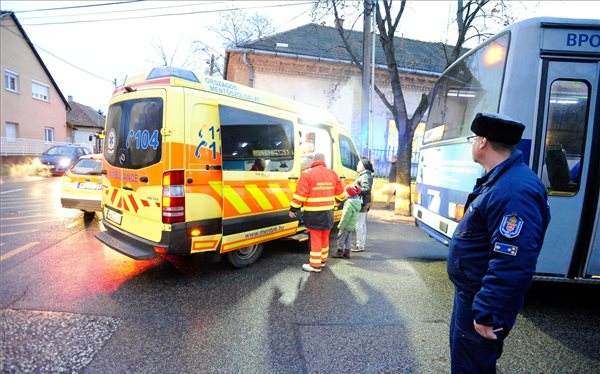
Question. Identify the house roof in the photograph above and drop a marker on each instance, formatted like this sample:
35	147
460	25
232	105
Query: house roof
8	13
324	42
84	116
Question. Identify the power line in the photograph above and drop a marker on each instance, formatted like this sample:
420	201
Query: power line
55	56
168	15
78	6
115	11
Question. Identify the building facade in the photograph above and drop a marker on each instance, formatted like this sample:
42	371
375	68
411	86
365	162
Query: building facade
311	64
33	111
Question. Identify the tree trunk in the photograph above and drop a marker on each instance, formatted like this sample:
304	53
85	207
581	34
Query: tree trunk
402	204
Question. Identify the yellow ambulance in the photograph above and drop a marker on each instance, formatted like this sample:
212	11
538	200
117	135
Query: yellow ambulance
194	164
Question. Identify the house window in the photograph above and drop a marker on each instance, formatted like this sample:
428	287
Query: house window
11	81
49	134
39	91
11	131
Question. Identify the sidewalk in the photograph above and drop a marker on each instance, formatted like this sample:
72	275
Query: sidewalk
379	212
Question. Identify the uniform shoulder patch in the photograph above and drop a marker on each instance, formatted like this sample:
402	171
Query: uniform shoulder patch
511	225
506	249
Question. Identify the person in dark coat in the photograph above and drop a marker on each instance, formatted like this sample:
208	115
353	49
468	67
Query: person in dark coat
365	181
493	253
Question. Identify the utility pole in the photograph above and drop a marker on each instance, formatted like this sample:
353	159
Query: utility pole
366	77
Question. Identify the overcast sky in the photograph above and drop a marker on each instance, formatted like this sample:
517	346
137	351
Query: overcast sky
86	46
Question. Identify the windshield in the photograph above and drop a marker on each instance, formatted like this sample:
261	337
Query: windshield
60	151
87	166
470	86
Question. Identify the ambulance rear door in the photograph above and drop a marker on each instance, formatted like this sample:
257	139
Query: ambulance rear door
135	158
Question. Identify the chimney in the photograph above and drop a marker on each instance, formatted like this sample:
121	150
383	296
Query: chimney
339	23
69	98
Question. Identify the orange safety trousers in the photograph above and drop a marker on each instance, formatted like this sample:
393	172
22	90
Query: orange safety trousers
319	247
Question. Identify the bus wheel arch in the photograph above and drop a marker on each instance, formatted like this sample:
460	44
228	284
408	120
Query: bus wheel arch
245	256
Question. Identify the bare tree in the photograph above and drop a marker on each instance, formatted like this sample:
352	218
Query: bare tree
237	28
387	20
171	58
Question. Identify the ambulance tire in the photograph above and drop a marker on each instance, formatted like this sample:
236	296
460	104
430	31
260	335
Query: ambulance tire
245	256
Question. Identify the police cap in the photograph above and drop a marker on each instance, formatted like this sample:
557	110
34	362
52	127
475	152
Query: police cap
497	128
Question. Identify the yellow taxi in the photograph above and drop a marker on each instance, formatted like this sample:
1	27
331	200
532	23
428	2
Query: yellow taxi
81	187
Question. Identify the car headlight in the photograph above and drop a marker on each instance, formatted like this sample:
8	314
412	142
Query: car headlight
64	162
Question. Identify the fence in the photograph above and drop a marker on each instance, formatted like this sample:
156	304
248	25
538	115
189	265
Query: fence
25	147
381	159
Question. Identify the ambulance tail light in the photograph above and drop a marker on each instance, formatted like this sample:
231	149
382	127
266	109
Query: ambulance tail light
173	197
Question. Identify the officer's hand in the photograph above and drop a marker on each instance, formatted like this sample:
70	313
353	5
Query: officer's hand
487	332
292	214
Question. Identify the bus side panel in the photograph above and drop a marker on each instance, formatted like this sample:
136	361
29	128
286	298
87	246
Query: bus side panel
593	264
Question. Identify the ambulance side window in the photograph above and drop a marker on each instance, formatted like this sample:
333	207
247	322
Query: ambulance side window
247	136
348	154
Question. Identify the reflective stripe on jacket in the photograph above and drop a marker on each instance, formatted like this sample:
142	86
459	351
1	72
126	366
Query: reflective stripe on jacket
317	189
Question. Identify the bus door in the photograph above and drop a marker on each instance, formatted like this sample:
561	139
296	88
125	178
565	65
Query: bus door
569	148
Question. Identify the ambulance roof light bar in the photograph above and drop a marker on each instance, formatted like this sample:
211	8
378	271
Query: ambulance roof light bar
169	71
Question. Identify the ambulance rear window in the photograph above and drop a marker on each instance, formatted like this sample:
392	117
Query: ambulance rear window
133	138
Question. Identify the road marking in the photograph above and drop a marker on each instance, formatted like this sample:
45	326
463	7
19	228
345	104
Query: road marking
9	191
16	251
14	218
29	223
18	232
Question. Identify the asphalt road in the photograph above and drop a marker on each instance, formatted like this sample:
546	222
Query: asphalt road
71	305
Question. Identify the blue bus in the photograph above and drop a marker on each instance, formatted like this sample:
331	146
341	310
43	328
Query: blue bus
544	72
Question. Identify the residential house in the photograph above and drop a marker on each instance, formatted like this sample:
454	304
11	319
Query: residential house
311	64
33	109
84	125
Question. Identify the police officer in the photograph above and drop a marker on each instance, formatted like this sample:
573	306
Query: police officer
494	249
317	190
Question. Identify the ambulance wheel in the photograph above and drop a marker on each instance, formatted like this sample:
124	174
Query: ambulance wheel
245	256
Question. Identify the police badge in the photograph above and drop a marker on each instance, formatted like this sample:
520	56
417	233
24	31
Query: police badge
511	225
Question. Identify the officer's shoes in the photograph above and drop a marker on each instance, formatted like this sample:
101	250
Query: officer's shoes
307	267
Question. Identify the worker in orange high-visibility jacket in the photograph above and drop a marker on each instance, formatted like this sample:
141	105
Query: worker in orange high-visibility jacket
317	189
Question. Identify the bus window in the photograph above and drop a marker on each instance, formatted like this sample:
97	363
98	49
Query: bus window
565	136
248	136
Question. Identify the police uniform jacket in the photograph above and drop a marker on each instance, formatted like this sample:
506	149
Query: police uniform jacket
365	181
494	249
317	189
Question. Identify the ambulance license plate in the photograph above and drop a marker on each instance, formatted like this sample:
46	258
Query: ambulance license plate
113	216
89	186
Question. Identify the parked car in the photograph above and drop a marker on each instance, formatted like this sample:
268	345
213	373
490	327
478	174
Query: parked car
81	187
59	158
